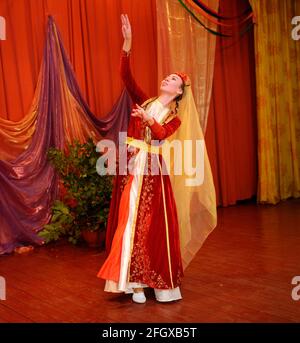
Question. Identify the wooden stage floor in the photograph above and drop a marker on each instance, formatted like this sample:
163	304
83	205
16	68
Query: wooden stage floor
242	273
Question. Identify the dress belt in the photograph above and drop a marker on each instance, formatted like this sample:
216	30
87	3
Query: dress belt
137	143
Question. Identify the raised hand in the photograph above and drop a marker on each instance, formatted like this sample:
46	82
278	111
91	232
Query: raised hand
126	31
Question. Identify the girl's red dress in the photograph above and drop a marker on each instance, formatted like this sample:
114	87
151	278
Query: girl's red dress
155	256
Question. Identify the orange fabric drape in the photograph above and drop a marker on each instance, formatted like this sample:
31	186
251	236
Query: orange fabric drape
92	36
231	129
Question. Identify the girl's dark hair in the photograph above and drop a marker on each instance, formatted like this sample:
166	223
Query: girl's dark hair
179	97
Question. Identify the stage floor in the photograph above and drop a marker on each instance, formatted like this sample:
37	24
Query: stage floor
243	273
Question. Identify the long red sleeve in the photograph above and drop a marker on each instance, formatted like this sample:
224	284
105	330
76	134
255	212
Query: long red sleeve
137	94
166	130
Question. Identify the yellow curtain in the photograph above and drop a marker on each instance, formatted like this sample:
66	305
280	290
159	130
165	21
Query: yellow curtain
184	45
278	107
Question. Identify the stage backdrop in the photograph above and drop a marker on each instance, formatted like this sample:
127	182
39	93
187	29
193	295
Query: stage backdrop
91	35
91	32
231	134
278	90
29	184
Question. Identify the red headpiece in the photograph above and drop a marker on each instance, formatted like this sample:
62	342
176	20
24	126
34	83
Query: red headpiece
185	79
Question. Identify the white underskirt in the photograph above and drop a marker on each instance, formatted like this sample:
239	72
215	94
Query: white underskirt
162	295
167	294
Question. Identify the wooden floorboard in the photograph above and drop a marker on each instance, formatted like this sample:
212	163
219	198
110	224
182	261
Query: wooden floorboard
242	273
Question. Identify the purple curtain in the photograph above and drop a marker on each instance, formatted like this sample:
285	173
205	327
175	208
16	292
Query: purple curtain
29	185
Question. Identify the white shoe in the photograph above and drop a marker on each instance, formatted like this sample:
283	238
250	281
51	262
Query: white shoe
165	295
139	297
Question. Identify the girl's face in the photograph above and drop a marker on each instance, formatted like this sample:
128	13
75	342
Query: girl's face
172	85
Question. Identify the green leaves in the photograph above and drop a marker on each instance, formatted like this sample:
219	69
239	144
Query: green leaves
61	222
85	203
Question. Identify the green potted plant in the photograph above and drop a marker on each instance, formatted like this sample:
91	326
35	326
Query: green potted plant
83	207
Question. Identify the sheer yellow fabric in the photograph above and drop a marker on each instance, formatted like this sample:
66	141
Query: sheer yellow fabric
194	190
278	106
184	45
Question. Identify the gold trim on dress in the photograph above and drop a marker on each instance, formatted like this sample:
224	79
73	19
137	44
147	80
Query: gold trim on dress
141	178
169	118
147	102
166	221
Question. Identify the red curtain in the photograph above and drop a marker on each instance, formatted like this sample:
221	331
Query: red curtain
92	37
231	130
91	32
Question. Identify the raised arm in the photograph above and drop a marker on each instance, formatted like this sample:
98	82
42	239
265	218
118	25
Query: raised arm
136	93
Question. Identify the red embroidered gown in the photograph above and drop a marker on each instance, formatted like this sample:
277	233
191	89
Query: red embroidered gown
154	255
